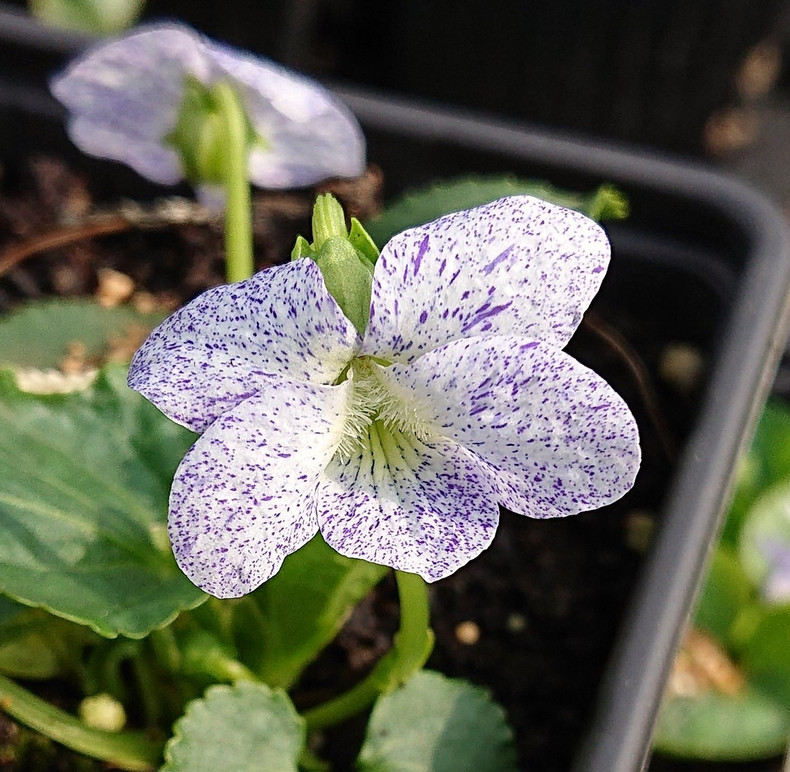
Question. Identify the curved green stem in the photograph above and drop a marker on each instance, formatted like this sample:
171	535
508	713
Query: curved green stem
410	650
239	263
128	750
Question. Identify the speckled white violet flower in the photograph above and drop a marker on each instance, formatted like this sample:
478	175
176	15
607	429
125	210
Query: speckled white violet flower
399	446
134	100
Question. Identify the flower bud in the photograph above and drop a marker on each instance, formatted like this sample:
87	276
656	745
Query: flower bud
199	133
345	259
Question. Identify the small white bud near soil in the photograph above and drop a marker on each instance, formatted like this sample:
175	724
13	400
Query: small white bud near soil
103	711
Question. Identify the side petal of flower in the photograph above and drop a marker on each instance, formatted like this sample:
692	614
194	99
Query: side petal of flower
309	134
422	508
517	266
553	436
244	496
214	352
124	96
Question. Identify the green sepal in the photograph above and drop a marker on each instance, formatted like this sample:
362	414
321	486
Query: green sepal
348	279
362	242
329	220
301	249
345	264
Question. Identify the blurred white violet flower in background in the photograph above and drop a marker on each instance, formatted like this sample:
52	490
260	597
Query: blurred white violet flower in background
146	99
776	584
172	105
398	441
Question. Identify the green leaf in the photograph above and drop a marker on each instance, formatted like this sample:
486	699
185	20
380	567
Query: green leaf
766	527
725	593
83	506
37	645
718	727
766	464
246	727
302	608
437	724
41	334
766	654
427	204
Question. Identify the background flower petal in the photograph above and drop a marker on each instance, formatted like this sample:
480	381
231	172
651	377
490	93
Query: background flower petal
310	135
553	436
124	96
426	509
517	266
244	496
217	350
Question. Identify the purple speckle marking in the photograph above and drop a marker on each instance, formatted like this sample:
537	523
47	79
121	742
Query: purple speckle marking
423	248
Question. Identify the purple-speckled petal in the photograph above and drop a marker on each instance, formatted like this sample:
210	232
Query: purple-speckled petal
517	266
553	436
244	496
398	502
216	351
310	135
124	96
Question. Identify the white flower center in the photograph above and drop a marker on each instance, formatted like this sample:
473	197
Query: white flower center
379	416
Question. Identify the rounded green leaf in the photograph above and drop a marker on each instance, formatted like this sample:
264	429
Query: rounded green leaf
718	727
437	724
83	506
244	728
42	333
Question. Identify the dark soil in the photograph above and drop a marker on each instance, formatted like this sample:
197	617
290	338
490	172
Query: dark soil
535	617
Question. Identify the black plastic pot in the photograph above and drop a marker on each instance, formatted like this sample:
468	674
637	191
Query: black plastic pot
651	71
721	249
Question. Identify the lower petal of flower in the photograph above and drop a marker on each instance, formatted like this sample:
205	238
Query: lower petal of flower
425	508
553	437
243	498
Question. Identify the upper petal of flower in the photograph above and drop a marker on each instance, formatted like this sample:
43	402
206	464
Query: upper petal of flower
516	266
309	134
124	96
425	508
554	438
217	350
244	496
